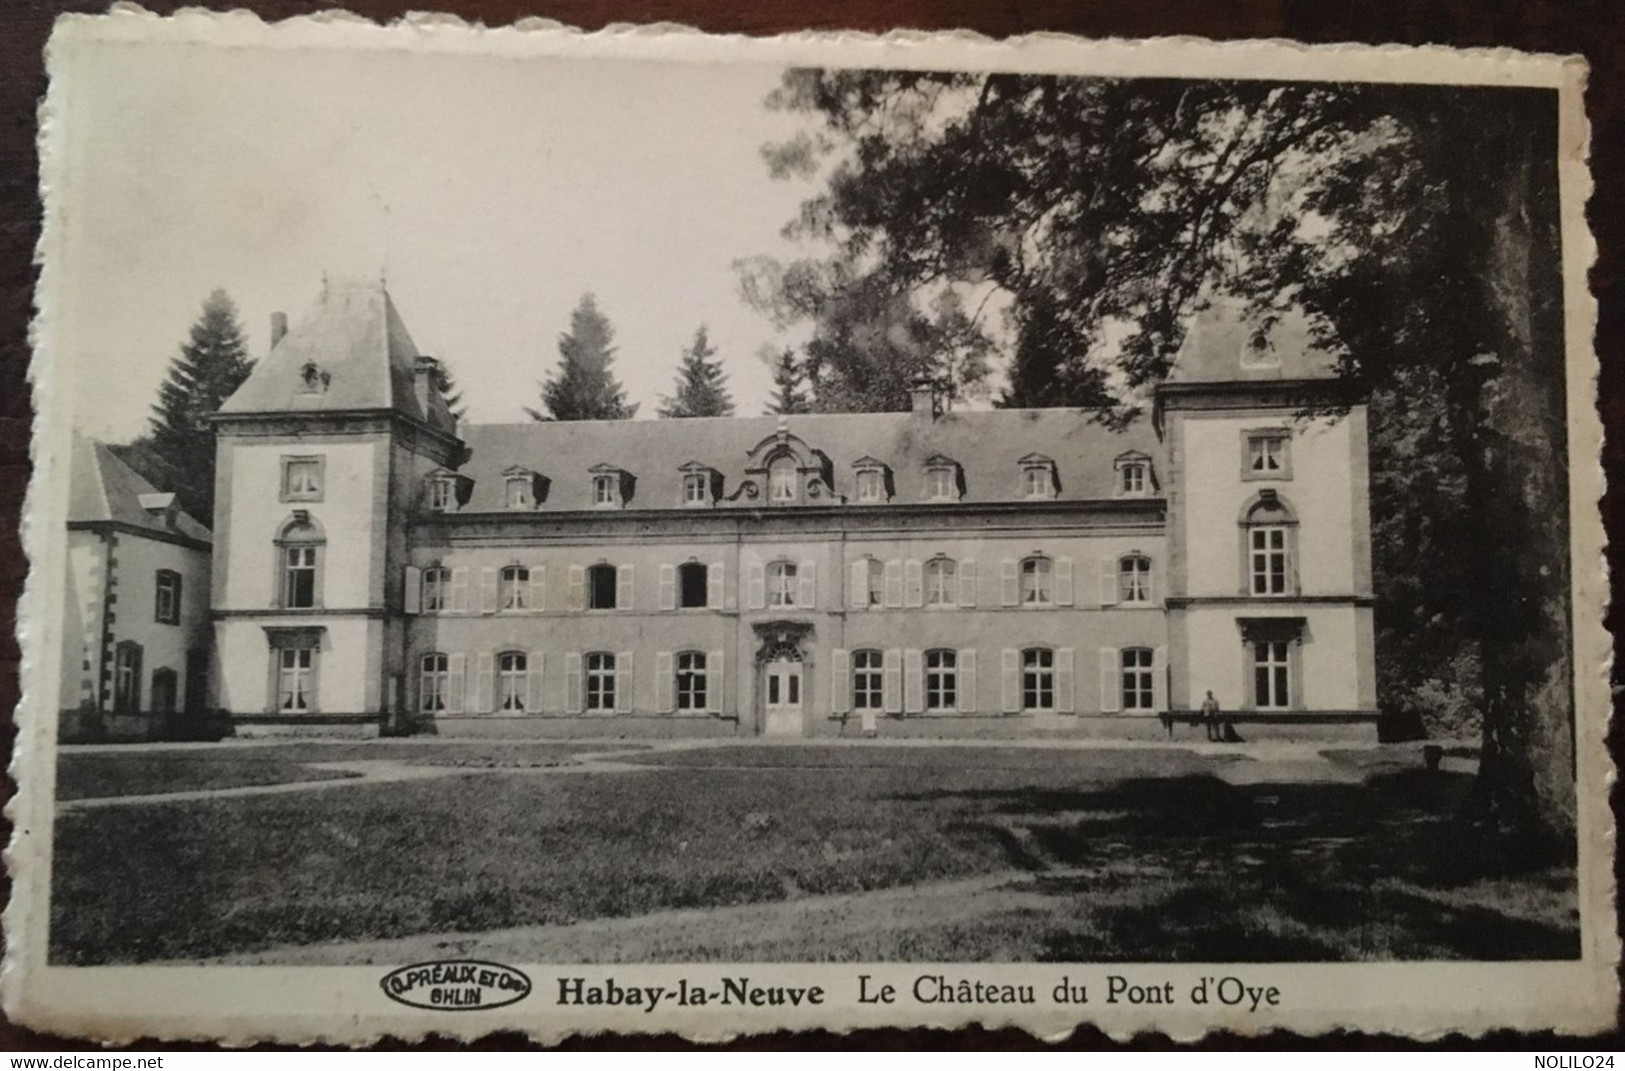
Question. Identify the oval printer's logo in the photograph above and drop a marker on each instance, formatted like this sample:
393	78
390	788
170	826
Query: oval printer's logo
456	985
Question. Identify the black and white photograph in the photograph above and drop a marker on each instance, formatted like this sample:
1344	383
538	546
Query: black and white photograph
515	510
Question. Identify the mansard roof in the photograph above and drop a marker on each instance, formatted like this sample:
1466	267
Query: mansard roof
986	444
354	335
104	490
1223	341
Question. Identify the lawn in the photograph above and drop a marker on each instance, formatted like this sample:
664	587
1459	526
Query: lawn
1119	855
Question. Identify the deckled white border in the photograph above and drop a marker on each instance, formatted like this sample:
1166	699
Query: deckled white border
342	1005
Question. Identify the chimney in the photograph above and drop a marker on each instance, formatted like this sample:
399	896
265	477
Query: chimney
425	380
924	398
279	327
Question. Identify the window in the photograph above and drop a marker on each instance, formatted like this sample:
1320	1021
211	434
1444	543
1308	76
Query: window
941	582
167	605
690	680
299	576
604	491
601	587
164	688
511	682
296	679
781	480
1269	560
867	686
127	677
692	579
1134	579
1036	581
941	484
874	582
440	494
436	589
1134	478
600	681
1038	679
520	492
433	683
1137	679
513	591
871	485
696	489
1036	483
1266	456
941	680
781	583
1272	674
301	479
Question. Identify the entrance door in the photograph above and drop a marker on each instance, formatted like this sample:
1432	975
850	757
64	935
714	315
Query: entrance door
781	690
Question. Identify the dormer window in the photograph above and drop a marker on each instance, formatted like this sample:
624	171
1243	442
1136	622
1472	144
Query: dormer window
313	378
1258	353
699	484
870	480
782	480
519	489
609	487
941	480
1134	476
441	494
1037	477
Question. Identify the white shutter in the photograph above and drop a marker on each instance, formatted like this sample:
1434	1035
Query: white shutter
1065	688
572	682
412	591
484	683
966	697
538	587
535	662
488	591
913	583
1063	581
807	575
893	578
891	681
668	587
756	586
858	596
459	590
715	682
840	681
1159	678
713	585
623	588
578	588
1010	678
913	682
456	683
1108	581
1009	586
967	583
665	683
1110	690
625	683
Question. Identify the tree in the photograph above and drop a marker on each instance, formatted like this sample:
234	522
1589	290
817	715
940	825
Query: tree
789	384
702	388
454	397
1415	225
213	363
584	388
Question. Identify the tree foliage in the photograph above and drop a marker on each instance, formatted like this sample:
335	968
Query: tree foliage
702	386
447	383
789	383
583	387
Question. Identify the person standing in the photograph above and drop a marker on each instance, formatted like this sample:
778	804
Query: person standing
1210	717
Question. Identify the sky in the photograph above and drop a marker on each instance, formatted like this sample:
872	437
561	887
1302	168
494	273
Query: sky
490	194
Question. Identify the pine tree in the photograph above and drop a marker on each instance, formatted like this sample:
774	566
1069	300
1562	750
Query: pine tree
789	380
702	389
212	364
453	396
584	388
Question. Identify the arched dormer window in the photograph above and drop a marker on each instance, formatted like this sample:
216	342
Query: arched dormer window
1269	546
783	480
300	547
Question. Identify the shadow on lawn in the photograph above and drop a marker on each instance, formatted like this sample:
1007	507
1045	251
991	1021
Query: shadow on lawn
1195	869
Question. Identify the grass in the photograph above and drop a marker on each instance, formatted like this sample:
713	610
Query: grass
1128	855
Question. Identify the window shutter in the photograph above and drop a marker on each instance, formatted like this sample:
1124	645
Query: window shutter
893	578
967	583
665	683
459	590
538	587
1011	681
668	587
966	692
412	591
891	681
713	586
858	596
756	586
488	591
913	583
1009	588
807	575
1063	581
1159	678
1110	682
913	682
578	588
623	588
715	682
456	682
840	681
484	683
1065	688
1108	581
535	662
625	682
572	681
